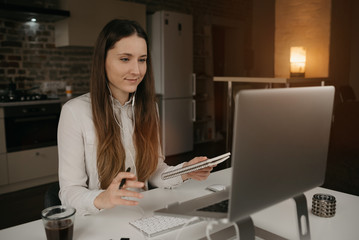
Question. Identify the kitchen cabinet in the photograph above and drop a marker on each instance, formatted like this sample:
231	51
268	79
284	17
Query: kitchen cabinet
3	169
2	132
3	162
88	17
31	164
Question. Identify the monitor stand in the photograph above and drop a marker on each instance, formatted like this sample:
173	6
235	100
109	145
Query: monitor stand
247	230
302	216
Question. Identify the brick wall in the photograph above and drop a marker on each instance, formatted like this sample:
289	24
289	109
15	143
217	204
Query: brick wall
28	55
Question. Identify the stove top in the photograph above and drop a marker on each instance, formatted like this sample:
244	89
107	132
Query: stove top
22	97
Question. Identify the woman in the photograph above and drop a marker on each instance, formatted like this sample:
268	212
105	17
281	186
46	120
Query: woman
114	127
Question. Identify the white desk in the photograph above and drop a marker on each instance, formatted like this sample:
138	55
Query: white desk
279	219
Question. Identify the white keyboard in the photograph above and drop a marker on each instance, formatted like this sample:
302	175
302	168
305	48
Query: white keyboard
157	224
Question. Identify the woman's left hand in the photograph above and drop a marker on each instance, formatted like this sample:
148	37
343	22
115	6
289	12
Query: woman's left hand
200	174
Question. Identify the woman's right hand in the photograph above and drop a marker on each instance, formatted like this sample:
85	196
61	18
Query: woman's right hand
113	196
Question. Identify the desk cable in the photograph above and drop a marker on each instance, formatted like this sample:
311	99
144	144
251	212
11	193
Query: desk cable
209	227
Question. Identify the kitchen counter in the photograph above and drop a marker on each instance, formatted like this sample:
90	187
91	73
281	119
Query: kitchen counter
61	99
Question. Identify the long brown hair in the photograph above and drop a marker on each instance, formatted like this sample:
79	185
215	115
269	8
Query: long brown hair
110	151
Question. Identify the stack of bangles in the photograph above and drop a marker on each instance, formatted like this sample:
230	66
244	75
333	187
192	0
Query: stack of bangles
323	205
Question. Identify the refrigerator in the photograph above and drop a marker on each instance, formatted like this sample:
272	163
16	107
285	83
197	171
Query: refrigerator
171	45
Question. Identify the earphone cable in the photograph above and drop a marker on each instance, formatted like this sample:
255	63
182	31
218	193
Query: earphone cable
120	125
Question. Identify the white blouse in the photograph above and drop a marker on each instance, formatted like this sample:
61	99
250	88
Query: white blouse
77	147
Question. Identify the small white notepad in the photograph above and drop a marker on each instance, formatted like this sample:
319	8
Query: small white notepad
194	167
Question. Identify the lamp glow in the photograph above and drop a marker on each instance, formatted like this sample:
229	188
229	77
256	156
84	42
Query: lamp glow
297	61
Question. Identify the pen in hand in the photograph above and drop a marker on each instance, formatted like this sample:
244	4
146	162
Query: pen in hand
123	181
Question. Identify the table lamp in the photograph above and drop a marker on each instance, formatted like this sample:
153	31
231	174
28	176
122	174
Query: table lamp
297	62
